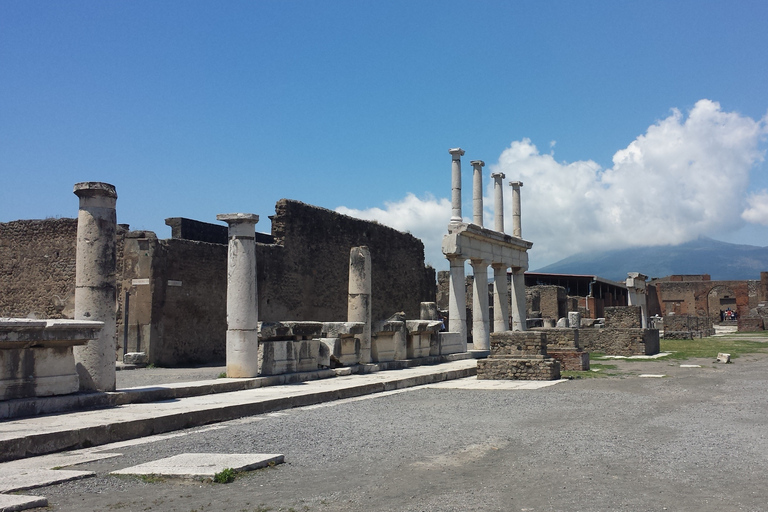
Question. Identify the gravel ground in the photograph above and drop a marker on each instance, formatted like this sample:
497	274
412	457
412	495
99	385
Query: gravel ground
695	440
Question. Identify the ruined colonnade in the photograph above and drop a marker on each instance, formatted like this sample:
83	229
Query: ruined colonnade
484	247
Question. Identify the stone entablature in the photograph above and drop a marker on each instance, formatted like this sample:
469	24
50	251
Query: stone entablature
477	243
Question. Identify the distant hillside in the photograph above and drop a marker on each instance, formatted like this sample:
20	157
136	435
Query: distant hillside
721	260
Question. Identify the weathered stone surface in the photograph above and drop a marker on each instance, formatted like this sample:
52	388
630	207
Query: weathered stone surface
570	359
623	317
270	331
389	341
137	358
723	358
448	343
620	342
518	344
283	356
518	369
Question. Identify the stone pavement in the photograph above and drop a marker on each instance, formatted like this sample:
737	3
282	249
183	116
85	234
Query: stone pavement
214	402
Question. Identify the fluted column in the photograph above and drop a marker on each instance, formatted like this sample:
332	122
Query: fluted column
480	333
500	300
498	202
95	283
516	225
242	296
457	299
456	154
477	191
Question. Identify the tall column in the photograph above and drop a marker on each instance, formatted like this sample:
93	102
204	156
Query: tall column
500	300
242	296
359	298
516	227
480	335
518	300
457	299
456	154
498	203
95	283
477	191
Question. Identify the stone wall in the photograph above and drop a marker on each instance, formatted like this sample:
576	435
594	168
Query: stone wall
620	342
623	317
560	338
704	297
548	299
37	267
687	326
750	324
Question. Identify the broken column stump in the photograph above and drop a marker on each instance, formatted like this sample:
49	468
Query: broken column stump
518	355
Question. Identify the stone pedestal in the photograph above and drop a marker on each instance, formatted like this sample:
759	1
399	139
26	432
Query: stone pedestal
518	356
290	347
95	283
242	303
36	356
343	341
388	341
422	335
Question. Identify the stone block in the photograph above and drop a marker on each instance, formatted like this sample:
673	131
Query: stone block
448	343
723	358
38	372
344	351
388	341
269	331
137	358
286	356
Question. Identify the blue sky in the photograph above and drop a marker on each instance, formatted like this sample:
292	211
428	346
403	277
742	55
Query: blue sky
195	108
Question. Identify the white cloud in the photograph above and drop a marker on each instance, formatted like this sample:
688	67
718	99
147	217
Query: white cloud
425	218
757	212
683	178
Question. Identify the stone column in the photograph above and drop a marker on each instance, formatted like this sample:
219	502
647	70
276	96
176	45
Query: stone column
242	296
500	300
95	283
498	202
477	192
456	154
359	298
516	226
480	333
457	299
518	300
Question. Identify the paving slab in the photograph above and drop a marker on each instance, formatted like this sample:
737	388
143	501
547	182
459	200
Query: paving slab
40	435
30	478
652	375
14	502
474	383
201	465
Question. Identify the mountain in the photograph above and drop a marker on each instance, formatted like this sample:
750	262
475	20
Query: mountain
721	260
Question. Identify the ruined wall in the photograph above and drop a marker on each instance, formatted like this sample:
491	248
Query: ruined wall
706	298
37	267
623	317
548	299
310	281
620	342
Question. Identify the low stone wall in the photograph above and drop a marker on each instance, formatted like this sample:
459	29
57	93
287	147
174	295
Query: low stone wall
570	359
687	326
518	356
620	342
560	338
750	324
623	317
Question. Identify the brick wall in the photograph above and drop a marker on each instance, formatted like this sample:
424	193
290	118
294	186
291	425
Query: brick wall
620	342
623	317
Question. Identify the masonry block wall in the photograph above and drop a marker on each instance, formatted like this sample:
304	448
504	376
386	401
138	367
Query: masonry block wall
623	317
620	342
698	296
548	299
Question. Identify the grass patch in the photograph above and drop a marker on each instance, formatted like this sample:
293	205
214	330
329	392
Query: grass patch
710	347
222	375
152	479
225	476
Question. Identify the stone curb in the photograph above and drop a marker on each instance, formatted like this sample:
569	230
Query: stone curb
66	438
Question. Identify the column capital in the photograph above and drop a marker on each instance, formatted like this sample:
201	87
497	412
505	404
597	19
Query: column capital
498	175
477	163
456	153
515	184
94	188
238	218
